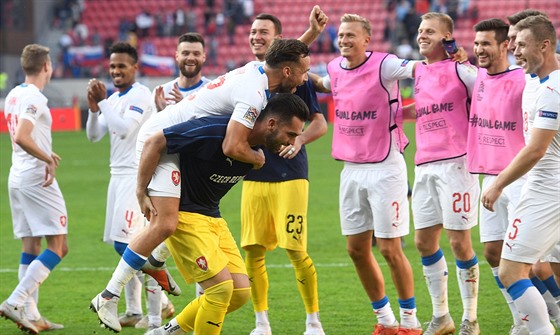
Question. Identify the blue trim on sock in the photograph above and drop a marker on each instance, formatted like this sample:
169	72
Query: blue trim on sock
539	284
429	260
467	264
500	285
120	247
381	303
133	259
409	303
518	288
552	286
26	258
49	259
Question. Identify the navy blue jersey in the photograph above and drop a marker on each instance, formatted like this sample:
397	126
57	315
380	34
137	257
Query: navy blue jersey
206	173
277	168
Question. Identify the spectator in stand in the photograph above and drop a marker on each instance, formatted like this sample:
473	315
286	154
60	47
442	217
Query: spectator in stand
180	22
144	22
191	21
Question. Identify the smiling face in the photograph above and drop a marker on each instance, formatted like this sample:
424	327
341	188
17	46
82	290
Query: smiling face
491	55
294	75
282	134
190	57
528	52
430	34
352	40
122	70
262	34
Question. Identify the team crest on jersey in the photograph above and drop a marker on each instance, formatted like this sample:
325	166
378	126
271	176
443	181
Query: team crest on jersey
548	115
175	177
202	263
63	220
251	115
136	109
31	109
404	62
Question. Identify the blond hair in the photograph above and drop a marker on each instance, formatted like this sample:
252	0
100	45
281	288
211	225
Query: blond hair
33	57
442	18
357	18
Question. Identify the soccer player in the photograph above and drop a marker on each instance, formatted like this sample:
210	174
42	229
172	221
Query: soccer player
495	133
243	93
38	208
120	116
190	57
373	183
534	229
274	199
444	194
202	245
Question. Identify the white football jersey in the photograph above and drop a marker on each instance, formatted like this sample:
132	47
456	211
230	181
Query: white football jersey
547	116
135	104
243	93
27	102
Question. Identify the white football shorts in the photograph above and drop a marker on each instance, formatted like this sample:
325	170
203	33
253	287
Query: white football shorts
445	193
374	197
38	211
123	219
493	225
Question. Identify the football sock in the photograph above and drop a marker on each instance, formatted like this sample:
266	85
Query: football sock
532	307
552	286
436	275
37	272
468	276
129	264
239	297
153	301
213	307
509	300
262	317
312	318
31	310
258	276
383	311
306	278
133	294
161	253
552	307
408	313
173	328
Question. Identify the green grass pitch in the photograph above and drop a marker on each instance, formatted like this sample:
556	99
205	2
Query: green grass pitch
345	310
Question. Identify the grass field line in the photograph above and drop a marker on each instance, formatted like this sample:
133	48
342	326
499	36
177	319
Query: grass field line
272	266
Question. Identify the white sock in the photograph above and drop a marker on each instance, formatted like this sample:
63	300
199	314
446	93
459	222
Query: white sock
385	315
468	286
163	298
312	318
173	328
436	278
31	310
552	307
511	305
161	253
262	317
408	318
153	301
122	275
36	273
533	311
133	294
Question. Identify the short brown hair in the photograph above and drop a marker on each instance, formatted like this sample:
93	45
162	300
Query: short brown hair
541	28
191	38
285	50
33	57
513	19
273	19
441	17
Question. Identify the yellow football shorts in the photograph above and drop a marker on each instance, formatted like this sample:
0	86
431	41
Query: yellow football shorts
275	214
202	246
